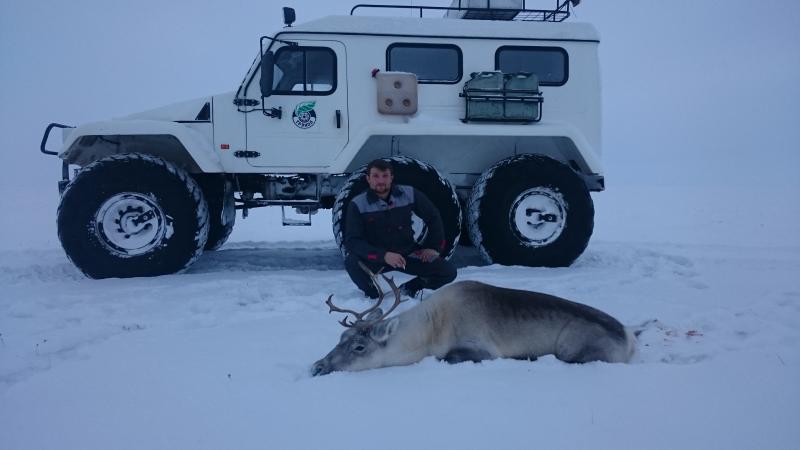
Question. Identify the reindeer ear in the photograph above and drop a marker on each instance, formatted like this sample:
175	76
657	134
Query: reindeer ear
381	331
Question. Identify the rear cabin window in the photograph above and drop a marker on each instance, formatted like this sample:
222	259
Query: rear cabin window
550	64
304	71
432	63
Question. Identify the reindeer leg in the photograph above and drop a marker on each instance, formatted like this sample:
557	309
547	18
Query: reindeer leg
463	354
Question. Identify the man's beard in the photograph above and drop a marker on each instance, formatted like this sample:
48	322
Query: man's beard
382	188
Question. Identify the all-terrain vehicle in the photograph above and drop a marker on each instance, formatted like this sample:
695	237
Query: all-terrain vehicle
492	109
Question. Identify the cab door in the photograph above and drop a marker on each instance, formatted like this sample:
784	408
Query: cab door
310	94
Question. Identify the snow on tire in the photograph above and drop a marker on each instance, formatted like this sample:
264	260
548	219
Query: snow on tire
132	215
414	173
530	210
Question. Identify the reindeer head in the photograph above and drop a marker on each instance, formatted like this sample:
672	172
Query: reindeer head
362	343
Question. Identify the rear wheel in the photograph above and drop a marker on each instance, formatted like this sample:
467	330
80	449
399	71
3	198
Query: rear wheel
531	210
132	215
423	177
465	240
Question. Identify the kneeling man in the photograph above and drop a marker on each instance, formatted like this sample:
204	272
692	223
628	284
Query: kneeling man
378	233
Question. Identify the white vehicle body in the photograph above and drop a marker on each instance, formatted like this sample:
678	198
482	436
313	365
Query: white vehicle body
570	128
296	144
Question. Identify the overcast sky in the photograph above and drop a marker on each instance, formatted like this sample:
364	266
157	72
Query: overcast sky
695	92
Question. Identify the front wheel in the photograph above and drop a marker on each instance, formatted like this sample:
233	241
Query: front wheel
218	192
423	177
132	215
530	210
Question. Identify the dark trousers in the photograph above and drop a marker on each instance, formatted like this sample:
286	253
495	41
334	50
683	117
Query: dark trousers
429	275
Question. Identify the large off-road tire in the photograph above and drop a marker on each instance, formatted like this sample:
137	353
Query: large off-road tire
465	240
530	210
414	173
218	192
132	215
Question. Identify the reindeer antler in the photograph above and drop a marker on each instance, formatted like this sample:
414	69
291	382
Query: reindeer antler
359	316
334	308
397	299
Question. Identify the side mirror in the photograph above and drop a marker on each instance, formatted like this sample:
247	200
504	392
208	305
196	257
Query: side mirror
288	16
267	73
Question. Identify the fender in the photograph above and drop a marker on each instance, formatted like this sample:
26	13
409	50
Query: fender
175	142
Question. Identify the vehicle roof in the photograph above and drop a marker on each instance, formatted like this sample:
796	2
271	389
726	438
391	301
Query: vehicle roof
415	26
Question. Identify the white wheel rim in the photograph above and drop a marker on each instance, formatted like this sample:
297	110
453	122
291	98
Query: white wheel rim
130	224
538	216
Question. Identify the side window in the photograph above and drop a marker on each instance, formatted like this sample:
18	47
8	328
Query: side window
432	63
305	71
550	64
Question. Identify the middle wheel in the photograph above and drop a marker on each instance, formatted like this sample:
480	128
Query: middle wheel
423	177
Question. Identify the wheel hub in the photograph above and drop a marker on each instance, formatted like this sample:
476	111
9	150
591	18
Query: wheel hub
538	216
130	224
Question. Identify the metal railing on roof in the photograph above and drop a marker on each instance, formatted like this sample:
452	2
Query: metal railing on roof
559	13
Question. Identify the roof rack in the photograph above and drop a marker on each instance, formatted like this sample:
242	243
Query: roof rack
559	13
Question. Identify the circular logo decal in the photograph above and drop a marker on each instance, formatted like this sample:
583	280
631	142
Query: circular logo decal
304	116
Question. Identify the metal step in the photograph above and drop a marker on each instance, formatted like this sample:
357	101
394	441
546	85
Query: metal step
295	222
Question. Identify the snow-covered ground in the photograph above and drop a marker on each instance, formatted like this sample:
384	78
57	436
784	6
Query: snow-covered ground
218	357
699	228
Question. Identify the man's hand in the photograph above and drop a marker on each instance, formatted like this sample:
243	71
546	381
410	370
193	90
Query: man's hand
395	260
428	254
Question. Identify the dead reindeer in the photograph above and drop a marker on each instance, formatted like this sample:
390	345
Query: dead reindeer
473	321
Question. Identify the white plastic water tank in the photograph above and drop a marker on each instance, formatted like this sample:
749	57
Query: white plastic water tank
513	5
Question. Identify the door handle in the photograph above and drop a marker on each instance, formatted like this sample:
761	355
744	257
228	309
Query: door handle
275	113
338	118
